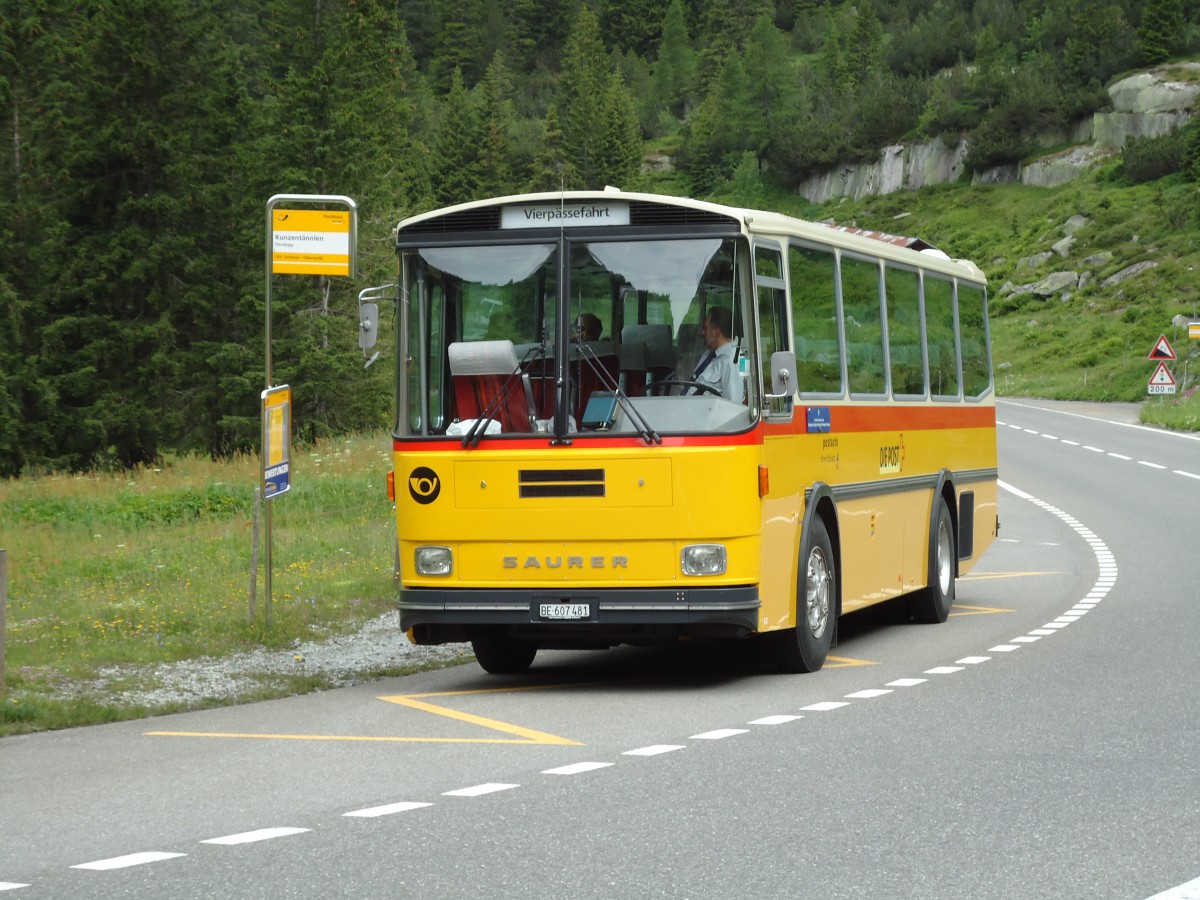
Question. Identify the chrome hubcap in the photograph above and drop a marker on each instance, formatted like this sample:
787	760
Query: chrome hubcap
818	591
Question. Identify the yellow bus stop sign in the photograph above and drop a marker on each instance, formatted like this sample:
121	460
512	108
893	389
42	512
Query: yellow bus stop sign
277	439
310	241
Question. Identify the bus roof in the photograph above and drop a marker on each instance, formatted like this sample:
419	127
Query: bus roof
897	247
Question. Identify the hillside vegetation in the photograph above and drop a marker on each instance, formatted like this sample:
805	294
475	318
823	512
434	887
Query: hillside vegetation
143	140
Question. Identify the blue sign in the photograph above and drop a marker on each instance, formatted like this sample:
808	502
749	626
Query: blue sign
818	419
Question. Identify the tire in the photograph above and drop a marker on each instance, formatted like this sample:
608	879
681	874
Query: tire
503	655
805	647
931	605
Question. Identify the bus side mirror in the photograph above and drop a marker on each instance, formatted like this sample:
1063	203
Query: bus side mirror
368	317
368	325
783	375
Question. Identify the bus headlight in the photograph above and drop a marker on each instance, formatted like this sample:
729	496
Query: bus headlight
434	561
704	559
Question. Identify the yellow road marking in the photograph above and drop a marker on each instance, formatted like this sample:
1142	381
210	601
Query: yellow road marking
960	609
413	701
984	576
845	662
527	735
346	737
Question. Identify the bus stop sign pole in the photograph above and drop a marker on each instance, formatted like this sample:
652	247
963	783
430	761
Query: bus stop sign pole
307	234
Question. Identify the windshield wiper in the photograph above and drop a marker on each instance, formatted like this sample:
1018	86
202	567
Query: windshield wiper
649	435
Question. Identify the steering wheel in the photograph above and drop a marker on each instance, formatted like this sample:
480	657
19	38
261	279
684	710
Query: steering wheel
664	387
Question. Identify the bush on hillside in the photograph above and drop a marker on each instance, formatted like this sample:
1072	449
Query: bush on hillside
1150	158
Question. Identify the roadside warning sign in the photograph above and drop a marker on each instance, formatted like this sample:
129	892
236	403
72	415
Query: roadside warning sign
1162	349
1194	331
1161	382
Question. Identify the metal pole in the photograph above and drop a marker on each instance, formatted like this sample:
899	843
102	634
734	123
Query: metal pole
267	534
352	209
3	614
252	612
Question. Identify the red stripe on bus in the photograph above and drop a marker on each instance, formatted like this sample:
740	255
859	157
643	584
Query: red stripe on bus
742	439
842	420
852	419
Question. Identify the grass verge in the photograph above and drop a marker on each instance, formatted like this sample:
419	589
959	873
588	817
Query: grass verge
131	569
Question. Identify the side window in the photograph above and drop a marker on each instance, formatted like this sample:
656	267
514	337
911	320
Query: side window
972	323
772	307
814	314
939	326
435	353
863	325
904	331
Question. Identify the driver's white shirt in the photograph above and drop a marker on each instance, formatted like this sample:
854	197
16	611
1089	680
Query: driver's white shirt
722	372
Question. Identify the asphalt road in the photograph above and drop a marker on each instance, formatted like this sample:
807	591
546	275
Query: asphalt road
1044	742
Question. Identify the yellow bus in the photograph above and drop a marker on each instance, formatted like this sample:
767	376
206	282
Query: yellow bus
559	487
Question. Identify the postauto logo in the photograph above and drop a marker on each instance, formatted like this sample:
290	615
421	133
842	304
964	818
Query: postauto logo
424	485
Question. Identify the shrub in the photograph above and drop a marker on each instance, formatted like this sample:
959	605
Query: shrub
1148	159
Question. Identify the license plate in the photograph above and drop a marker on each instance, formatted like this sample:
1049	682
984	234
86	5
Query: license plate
562	611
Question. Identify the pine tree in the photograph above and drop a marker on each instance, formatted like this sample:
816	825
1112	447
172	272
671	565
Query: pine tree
459	43
1162	22
635	25
496	115
583	86
456	168
619	148
552	169
865	48
771	96
676	64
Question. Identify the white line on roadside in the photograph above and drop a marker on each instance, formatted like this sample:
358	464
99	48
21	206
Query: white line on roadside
389	809
479	790
251	837
577	768
124	862
653	750
1189	891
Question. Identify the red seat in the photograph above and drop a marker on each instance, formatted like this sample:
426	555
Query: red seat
487	381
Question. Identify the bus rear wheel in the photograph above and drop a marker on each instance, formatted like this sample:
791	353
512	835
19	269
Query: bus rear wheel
804	648
932	604
500	654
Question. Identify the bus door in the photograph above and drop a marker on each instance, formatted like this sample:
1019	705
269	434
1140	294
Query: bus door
782	503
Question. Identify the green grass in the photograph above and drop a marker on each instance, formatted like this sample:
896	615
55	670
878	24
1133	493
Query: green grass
154	565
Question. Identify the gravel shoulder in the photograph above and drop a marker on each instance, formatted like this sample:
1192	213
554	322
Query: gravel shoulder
377	649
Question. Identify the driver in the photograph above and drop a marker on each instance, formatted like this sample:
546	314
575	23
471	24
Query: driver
718	367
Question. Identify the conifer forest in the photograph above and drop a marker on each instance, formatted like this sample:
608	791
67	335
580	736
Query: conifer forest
143	138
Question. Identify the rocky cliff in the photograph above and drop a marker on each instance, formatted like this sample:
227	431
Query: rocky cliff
1147	104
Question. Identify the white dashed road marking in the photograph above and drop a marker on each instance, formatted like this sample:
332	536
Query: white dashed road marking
719	734
1189	891
124	862
654	750
387	810
250	837
577	768
479	790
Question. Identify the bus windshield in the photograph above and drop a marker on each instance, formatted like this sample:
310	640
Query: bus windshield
631	336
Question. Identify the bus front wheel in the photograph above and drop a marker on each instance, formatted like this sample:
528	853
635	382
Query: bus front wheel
932	604
804	648
500	654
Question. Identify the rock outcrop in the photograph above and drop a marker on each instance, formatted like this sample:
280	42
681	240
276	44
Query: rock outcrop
1147	104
